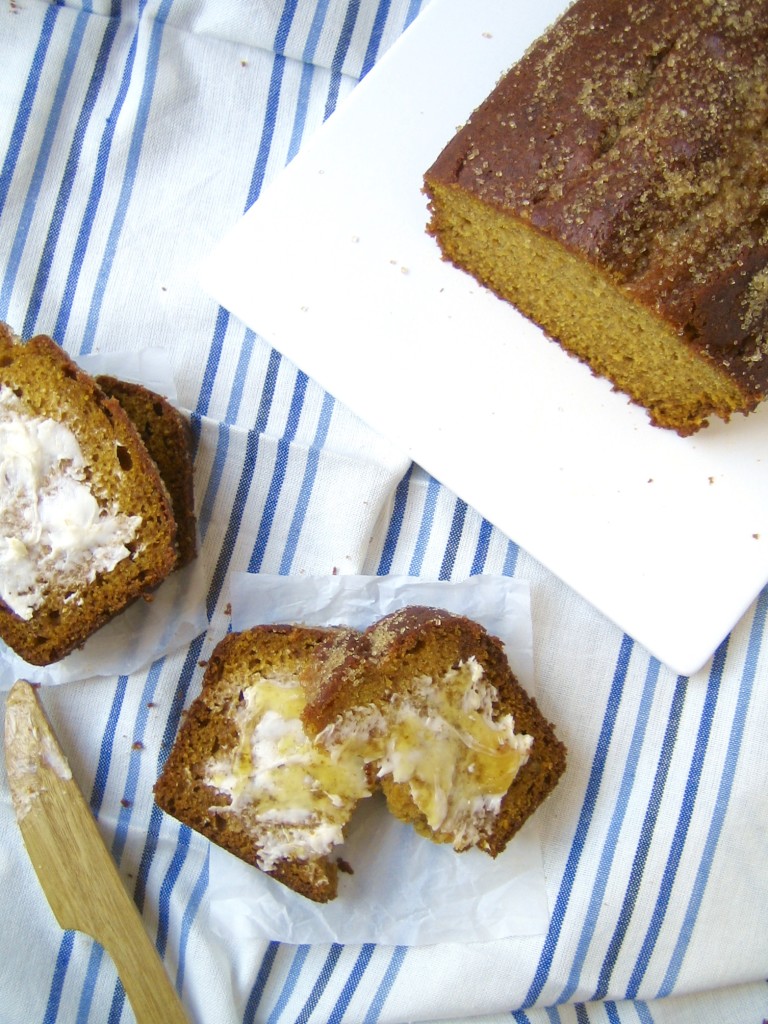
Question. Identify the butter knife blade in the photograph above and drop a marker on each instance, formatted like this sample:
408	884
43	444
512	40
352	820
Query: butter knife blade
75	869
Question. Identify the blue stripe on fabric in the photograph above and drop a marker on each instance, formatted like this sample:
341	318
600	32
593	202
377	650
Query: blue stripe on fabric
510	559
41	163
134	760
584	822
683	822
425	527
307	75
89	984
481	550
179	699
279	471
413	9
257	991
237	511
166	887
188	919
376	1005
614	831
150	846
117	1004
372	50
454	537
299	122
268	132
196	430
215	349
520	1017
297	963
395	524
21	123
240	375
59	973
646	838
222	446
315	29
129	178
723	797
582	1014
339	56
307	483
169	733
284	25
644	1014
208	500
336	1016
107	743
612	1013
321	983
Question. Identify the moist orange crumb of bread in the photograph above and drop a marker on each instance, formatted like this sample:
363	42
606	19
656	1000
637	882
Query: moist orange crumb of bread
244	773
461	751
614	187
86	523
167	437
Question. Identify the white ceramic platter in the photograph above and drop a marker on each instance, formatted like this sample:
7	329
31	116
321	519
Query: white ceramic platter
667	536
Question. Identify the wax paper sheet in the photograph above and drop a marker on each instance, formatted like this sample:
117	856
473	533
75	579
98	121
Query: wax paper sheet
404	889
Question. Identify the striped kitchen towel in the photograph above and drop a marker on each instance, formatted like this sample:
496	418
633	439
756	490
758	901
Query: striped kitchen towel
133	133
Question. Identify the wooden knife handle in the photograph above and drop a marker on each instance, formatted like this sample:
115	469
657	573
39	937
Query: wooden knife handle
149	990
76	870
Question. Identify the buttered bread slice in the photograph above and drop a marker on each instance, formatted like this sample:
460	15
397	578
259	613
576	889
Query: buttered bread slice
460	750
86	524
244	773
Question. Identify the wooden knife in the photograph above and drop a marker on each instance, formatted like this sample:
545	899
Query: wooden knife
77	873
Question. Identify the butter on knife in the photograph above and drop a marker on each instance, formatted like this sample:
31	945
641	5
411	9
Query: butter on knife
77	873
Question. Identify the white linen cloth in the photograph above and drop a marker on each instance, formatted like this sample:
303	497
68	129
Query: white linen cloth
132	134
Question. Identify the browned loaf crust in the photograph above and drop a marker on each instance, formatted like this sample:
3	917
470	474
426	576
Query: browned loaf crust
168	439
121	473
614	187
380	665
210	733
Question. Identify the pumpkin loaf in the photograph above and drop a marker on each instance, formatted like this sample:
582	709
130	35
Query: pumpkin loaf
86	523
614	188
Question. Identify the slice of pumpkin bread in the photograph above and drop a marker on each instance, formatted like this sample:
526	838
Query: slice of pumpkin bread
86	523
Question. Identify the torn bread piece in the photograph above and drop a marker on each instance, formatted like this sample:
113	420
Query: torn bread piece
460	750
244	773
